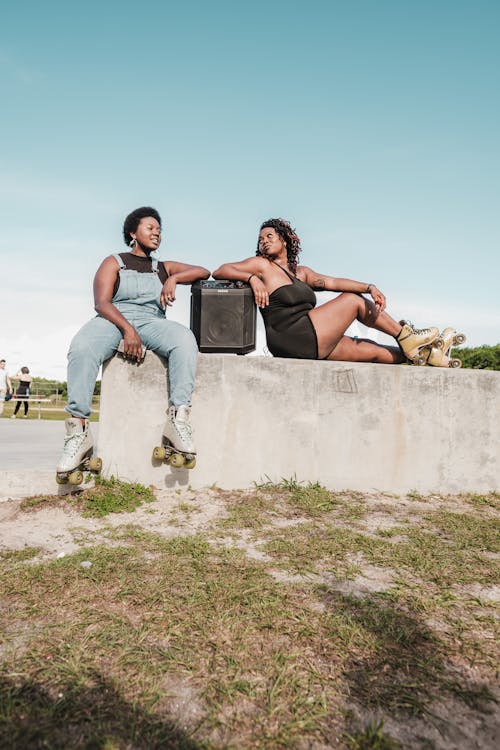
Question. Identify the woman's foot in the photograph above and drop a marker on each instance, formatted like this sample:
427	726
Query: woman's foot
438	353
412	341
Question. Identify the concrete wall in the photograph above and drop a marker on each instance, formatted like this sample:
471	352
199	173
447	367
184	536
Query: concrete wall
345	425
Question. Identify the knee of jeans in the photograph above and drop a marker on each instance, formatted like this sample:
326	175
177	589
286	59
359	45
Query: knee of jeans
79	350
187	340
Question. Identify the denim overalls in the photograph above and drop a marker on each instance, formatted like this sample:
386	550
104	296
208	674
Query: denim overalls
138	300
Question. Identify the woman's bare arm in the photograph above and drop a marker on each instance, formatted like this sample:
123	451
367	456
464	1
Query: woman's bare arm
179	273
253	271
321	283
104	283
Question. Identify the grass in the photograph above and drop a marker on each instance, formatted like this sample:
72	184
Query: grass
185	641
47	411
104	497
372	737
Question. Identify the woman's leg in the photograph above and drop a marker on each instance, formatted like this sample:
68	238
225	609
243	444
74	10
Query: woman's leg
178	344
364	350
18	404
332	319
92	345
25	408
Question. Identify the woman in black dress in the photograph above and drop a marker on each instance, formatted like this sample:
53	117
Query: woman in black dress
295	327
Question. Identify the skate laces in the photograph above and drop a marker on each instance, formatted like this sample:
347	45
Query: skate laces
184	429
180	420
418	330
72	443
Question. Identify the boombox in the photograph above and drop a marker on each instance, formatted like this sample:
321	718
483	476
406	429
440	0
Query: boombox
223	316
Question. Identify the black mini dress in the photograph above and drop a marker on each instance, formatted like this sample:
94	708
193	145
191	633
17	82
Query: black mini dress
289	329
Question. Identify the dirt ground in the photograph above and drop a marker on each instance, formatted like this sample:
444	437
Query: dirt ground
58	531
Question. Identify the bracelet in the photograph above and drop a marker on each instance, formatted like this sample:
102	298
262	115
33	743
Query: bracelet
248	280
367	290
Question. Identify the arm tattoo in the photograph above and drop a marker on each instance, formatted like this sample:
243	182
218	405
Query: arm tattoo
319	283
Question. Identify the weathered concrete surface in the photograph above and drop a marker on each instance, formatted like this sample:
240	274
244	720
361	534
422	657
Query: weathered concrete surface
345	425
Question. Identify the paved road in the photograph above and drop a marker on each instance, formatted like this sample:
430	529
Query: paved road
31	443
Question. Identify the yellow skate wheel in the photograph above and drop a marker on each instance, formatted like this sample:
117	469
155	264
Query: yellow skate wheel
176	460
438	343
460	338
95	464
61	480
76	477
191	463
159	453
455	363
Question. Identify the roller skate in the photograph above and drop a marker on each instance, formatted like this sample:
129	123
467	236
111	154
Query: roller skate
177	447
414	342
77	453
438	354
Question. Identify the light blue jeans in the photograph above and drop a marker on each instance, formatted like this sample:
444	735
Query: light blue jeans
137	299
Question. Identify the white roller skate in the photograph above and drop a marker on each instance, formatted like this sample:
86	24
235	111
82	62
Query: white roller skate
414	342
438	354
177	446
77	453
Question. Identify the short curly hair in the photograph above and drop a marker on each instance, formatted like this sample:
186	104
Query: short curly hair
133	219
292	241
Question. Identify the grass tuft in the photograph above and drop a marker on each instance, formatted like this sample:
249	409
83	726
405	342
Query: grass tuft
105	497
372	737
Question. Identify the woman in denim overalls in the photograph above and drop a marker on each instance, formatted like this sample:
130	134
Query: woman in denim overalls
131	293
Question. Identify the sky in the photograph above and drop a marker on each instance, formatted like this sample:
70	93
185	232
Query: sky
373	127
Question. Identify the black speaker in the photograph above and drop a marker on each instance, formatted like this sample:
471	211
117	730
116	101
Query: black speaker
223	316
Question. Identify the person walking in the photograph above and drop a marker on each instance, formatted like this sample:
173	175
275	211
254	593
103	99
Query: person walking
22	391
5	384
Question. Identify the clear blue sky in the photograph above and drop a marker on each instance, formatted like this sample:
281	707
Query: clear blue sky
371	125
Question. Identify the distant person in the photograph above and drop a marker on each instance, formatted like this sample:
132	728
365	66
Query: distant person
131	293
295	327
22	390
5	384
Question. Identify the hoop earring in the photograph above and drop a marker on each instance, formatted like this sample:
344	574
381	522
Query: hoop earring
132	243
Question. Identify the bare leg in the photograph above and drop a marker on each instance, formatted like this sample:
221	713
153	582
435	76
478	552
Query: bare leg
332	319
364	350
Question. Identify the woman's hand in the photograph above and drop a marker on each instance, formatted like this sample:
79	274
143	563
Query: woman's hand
167	296
259	291
378	298
132	344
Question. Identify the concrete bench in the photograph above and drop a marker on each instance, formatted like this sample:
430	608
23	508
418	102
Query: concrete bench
346	425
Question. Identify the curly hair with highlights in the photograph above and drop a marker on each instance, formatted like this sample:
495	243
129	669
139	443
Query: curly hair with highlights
291	239
133	220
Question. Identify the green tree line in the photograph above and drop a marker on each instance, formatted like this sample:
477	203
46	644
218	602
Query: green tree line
479	357
48	388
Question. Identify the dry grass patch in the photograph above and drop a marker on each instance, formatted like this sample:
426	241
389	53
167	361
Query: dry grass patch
245	635
103	497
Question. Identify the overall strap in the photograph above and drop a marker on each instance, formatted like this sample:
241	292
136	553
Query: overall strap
119	260
154	265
